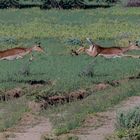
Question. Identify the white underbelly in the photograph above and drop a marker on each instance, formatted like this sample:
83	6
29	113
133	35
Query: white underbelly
110	55
9	58
12	57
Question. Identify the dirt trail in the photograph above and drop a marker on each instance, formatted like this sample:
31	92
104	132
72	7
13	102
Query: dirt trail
106	121
30	128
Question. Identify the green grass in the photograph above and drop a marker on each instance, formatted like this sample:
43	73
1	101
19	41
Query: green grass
53	28
11	112
69	116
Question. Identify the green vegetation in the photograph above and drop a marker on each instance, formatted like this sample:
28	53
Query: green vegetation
107	27
129	119
99	101
54	28
47	4
128	125
11	112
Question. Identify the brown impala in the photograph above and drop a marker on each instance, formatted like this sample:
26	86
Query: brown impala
112	52
16	53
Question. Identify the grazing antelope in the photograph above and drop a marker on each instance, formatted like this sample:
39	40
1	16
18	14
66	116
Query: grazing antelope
112	52
16	53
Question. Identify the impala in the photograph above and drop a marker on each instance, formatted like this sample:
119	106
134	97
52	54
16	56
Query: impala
112	52
16	53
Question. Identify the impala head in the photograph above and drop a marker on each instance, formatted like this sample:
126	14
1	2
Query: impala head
38	48
134	45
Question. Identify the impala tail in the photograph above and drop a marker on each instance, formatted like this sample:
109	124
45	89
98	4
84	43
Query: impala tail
90	41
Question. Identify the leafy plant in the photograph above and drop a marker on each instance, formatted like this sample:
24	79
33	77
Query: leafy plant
129	119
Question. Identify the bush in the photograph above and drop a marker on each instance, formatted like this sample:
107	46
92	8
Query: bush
126	134
131	3
128	125
130	119
9	4
63	4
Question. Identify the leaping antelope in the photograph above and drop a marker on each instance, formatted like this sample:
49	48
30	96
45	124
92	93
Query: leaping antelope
112	52
16	53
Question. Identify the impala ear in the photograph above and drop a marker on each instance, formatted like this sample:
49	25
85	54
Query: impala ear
130	42
39	43
137	43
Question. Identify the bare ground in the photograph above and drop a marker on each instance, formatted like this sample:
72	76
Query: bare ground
30	127
98	126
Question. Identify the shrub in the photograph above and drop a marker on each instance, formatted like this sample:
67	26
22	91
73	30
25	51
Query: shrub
63	4
131	3
130	119
9	4
126	134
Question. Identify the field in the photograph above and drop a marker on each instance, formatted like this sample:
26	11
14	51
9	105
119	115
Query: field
57	30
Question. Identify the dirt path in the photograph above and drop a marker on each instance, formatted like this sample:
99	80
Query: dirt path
30	128
104	121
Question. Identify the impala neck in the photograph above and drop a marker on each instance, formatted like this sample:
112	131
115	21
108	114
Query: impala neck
29	49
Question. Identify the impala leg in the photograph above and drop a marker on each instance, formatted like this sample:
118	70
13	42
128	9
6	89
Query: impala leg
132	56
77	52
81	49
19	56
31	57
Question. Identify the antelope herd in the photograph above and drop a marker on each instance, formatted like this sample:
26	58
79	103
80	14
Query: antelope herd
94	50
